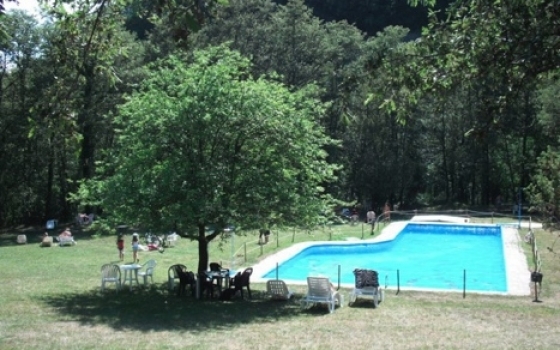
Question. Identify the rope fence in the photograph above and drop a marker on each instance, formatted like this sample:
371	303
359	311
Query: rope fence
249	250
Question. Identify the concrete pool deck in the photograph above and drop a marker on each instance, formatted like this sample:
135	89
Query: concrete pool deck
517	269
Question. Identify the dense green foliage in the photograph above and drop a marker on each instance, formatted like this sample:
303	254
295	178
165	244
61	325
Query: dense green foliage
461	116
204	144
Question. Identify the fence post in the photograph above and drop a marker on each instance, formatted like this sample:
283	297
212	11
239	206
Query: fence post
464	283
338	278
294	236
277	239
398	282
245	251
330	236
262	249
492	217
362	230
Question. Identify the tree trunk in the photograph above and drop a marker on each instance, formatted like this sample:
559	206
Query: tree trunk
87	129
50	182
202	249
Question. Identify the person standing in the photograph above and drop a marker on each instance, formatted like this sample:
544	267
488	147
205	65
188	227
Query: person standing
135	247
370	217
120	246
387	211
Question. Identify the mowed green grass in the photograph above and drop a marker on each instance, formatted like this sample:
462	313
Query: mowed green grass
50	298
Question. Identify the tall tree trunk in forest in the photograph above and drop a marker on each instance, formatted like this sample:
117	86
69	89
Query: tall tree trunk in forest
63	178
50	180
86	123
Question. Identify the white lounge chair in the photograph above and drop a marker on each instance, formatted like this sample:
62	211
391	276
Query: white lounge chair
321	291
22	239
65	240
366	284
278	290
171	240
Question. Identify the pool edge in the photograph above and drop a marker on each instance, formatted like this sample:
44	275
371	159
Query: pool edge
516	267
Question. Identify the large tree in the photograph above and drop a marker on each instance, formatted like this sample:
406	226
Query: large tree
206	145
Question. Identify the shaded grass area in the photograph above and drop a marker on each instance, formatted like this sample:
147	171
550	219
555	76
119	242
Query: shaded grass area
51	299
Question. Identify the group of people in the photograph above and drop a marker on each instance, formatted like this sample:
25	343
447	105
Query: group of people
370	215
47	240
135	247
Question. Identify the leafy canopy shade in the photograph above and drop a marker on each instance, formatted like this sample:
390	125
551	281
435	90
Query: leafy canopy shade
206	144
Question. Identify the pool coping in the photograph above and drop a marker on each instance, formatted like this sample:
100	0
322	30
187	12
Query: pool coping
516	267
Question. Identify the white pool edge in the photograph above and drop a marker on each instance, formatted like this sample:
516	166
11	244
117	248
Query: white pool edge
517	270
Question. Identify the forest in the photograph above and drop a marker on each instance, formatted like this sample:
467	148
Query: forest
244	110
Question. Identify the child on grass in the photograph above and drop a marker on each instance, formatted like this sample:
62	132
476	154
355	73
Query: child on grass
120	246
135	247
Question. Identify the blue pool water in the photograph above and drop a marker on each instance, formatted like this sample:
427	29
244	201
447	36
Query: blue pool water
427	256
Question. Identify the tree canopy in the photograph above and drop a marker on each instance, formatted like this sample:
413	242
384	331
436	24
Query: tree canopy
462	115
207	145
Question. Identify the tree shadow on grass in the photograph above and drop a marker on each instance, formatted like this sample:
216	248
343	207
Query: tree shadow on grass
155	309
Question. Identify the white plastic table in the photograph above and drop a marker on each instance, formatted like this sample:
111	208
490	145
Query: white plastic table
130	274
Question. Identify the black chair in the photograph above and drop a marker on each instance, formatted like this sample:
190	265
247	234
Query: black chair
220	274
241	280
186	278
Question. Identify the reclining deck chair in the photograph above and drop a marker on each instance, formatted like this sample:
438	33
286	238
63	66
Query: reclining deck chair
321	291
278	290
366	284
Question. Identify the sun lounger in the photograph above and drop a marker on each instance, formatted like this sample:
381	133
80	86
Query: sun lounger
366	284
65	241
321	291
278	290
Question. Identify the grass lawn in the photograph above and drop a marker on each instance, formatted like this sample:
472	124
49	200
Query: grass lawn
50	299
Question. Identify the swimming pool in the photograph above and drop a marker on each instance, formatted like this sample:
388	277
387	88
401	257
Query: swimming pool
430	256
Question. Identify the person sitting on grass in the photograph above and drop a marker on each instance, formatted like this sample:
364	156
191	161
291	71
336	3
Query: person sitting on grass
66	233
46	241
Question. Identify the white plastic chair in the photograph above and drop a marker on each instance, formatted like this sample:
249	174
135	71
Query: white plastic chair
321	291
171	240
149	266
110	274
